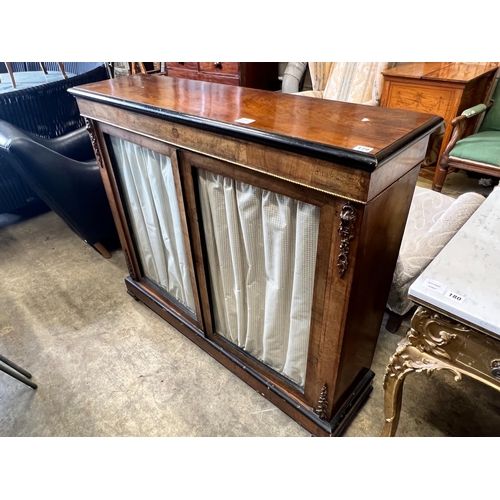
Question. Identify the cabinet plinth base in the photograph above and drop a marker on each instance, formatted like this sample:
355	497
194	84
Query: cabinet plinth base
302	414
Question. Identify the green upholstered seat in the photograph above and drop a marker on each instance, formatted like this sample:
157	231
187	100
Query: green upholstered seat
482	147
492	119
480	151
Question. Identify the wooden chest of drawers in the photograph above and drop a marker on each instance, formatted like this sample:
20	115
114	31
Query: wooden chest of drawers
258	75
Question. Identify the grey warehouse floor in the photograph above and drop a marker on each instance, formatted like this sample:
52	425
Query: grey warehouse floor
106	365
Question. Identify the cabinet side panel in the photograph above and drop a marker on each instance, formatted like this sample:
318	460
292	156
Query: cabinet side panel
383	224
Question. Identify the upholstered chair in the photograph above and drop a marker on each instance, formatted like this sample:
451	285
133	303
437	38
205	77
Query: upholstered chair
357	82
432	222
480	151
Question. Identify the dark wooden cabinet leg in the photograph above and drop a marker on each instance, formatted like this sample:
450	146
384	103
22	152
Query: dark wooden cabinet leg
393	322
102	250
439	179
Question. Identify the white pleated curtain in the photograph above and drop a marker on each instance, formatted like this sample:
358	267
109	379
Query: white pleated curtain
261	249
152	204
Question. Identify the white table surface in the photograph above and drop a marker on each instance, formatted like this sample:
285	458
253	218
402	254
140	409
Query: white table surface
464	279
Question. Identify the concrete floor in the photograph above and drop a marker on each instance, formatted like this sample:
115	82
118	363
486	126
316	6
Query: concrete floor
106	365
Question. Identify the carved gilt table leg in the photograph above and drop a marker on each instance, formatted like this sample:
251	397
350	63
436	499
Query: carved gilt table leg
428	346
393	388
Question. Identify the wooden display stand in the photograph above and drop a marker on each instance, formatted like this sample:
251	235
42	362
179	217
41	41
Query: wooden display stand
357	164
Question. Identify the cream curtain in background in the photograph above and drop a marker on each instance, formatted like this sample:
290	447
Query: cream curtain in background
358	82
261	249
148	182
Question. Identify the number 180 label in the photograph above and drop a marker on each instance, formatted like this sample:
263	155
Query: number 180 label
455	296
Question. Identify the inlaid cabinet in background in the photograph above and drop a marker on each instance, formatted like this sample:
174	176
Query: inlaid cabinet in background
443	88
263	226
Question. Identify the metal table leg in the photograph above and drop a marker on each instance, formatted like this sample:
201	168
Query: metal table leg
17	372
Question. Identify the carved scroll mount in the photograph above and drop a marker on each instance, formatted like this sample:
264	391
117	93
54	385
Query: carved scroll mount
430	333
322	403
346	232
93	140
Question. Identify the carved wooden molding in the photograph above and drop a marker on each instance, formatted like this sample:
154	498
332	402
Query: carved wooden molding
322	403
93	140
346	232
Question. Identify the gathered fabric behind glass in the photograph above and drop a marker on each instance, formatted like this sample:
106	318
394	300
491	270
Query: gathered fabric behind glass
153	209
261	249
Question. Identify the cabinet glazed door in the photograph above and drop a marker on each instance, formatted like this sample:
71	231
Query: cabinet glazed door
145	173
265	244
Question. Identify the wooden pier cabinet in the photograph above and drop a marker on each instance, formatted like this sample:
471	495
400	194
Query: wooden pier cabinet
263	226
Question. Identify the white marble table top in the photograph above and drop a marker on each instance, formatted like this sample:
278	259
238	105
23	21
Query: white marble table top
464	279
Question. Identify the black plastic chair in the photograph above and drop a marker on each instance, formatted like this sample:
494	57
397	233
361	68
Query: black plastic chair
64	173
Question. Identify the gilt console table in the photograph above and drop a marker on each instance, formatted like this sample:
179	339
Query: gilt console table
457	324
263	226
443	88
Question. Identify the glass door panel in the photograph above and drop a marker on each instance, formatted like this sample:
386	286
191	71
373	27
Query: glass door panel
261	249
147	183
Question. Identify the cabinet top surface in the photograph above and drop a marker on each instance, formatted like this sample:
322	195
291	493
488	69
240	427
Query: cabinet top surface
442	71
364	134
468	292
